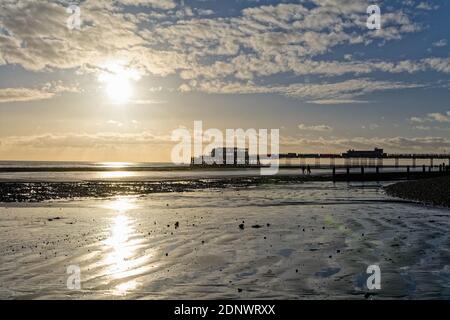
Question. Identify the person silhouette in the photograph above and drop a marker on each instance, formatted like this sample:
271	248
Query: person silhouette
308	169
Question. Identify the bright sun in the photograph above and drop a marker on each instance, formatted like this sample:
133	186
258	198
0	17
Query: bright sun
117	80
118	89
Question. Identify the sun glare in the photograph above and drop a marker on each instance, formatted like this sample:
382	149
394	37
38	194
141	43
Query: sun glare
119	89
118	81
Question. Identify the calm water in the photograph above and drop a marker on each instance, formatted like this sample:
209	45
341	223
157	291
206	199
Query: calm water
124	171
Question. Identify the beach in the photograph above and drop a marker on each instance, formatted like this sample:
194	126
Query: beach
434	191
305	240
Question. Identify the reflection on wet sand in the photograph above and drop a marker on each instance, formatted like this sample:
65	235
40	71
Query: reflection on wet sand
122	245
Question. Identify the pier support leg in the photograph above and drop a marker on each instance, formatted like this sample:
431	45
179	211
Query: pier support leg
380	162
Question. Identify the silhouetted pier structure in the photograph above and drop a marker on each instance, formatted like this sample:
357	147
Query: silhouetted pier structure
351	159
365	165
374	158
369	165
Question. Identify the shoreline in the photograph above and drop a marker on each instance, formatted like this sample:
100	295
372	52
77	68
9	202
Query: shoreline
32	191
434	191
39	191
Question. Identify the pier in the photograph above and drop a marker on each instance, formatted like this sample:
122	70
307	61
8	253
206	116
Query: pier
366	165
375	158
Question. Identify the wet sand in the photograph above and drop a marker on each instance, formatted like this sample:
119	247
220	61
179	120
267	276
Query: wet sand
38	191
434	191
302	241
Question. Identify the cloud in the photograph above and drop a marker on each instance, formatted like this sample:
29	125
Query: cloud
319	127
115	123
427	6
425	128
336	101
48	91
23	94
319	93
160	4
439	117
87	140
205	51
440	43
272	38
430	117
417	120
428	128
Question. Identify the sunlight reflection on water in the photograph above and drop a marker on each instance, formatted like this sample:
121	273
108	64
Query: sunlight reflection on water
116	175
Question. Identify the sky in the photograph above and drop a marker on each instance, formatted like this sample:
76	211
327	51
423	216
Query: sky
115	88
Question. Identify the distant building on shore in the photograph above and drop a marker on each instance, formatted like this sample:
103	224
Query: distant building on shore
375	153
